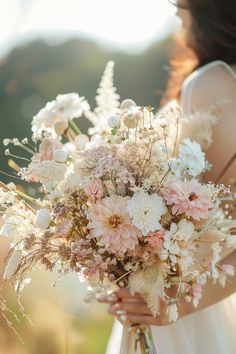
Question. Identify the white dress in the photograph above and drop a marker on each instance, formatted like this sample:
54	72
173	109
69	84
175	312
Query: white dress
208	331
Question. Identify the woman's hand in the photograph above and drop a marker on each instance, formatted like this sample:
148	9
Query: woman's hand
133	309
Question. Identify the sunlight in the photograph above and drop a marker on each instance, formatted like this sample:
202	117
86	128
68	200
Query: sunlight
121	22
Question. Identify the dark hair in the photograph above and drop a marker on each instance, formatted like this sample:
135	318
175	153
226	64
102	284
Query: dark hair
213	32
212	37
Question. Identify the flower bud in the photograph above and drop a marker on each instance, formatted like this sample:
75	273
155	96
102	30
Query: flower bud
80	141
132	117
43	219
114	122
60	127
12	265
6	142
163	123
126	104
60	155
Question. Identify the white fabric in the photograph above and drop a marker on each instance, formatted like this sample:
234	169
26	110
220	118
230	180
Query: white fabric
209	331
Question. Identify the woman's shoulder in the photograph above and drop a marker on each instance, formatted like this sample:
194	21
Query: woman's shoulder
208	84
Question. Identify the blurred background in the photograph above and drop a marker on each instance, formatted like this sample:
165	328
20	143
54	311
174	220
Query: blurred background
49	47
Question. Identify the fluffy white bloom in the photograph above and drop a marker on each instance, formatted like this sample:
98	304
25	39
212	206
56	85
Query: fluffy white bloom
145	211
71	183
12	264
150	283
43	219
70	106
172	311
192	157
63	108
107	102
47	171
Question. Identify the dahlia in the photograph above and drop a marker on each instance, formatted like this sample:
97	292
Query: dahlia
111	225
146	211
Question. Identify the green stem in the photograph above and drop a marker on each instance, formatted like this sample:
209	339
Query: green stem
27	197
74	126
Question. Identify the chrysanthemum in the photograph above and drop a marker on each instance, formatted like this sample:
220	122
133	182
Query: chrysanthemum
146	211
111	225
188	197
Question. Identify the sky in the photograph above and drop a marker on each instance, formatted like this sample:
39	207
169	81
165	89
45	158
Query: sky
126	24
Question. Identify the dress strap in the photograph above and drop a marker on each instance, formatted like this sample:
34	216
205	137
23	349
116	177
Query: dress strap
189	83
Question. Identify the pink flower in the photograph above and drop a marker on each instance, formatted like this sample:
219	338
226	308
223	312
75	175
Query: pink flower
111	224
188	197
94	190
155	239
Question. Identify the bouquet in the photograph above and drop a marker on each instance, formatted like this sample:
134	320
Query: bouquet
123	206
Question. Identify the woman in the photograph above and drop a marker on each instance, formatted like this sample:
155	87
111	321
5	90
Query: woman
210	27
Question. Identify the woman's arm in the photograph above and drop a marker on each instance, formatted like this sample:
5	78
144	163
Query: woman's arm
134	309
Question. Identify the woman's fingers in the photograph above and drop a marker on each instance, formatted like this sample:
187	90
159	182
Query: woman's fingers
130	307
119	295
107	298
125	293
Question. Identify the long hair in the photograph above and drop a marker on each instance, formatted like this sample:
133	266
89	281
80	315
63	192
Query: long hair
212	35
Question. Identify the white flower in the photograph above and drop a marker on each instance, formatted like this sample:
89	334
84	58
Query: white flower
150	283
172	311
192	157
146	211
70	106
43	219
63	108
12	264
177	242
107	102
71	183
47	171
6	142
